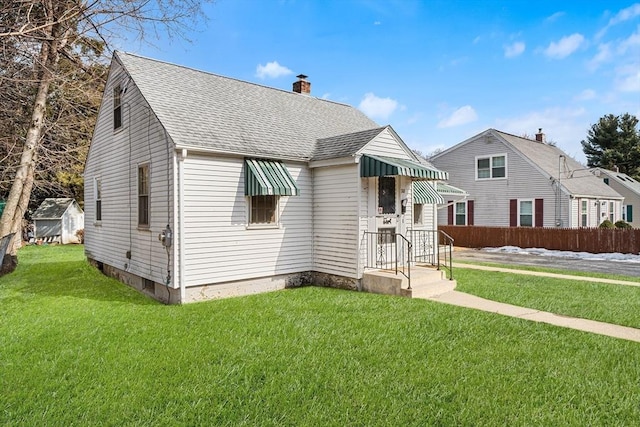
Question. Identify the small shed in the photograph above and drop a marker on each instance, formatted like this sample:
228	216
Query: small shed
58	220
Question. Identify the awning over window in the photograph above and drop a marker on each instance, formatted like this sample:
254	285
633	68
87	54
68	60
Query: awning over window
448	189
388	166
425	194
268	178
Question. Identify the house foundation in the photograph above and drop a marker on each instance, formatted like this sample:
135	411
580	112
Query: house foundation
169	295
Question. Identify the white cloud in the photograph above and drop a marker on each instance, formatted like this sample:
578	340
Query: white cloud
624	15
604	55
272	70
513	50
633	41
585	95
554	17
375	107
459	117
326	96
565	126
628	78
565	47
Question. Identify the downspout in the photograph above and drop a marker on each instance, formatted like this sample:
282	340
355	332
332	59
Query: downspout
358	249
183	155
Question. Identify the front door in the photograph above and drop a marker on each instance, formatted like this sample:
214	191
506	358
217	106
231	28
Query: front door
385	213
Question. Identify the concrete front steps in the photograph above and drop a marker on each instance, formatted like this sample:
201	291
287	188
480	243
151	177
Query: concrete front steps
426	282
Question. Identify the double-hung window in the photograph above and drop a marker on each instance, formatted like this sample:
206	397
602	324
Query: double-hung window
461	213
263	210
491	167
611	212
117	107
97	190
143	196
525	213
584	213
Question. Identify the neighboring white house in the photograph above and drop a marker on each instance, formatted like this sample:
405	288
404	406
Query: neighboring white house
200	186
629	188
58	220
516	181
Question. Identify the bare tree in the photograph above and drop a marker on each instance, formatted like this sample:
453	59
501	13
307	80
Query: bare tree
44	42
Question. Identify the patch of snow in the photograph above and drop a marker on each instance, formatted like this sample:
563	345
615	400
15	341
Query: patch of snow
587	256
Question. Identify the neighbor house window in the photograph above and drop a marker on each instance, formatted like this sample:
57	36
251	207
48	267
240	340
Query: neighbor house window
611	212
143	195
461	213
584	213
263	210
491	167
417	213
117	107
387	195
525	214
97	187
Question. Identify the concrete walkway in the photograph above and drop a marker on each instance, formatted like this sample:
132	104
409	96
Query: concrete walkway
462	299
542	273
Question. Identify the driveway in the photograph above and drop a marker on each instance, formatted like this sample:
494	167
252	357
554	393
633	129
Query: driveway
591	266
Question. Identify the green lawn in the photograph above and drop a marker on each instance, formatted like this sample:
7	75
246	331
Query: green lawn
77	348
610	303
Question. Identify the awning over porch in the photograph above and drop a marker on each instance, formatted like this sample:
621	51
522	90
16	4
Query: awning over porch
425	194
389	166
268	178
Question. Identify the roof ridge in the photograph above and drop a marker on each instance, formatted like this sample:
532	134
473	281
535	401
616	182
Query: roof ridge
210	73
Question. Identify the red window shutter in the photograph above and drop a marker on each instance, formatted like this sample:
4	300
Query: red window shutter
469	212
513	213
539	212
450	213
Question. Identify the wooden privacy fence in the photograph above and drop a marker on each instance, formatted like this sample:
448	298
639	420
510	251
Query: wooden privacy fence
595	240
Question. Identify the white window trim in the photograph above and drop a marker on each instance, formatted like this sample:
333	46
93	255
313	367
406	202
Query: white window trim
97	182
491	157
143	226
584	213
533	212
466	213
421	216
274	225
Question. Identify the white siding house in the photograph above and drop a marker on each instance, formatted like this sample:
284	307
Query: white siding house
515	181
58	221
200	186
629	188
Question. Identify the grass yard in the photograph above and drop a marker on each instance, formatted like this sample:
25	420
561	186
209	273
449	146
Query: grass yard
78	348
609	303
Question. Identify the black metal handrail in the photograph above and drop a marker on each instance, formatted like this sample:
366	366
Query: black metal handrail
387	250
434	247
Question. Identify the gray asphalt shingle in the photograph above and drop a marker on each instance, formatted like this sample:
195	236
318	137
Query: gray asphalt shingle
200	109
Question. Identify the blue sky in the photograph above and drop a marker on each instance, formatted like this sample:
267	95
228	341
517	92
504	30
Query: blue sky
438	71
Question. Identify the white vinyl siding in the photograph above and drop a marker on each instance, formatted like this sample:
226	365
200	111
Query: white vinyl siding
113	160
386	145
335	219
218	245
491	196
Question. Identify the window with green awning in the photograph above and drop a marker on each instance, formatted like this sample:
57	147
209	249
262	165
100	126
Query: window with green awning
268	178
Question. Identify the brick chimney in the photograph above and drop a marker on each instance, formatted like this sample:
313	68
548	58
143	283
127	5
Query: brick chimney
540	136
302	85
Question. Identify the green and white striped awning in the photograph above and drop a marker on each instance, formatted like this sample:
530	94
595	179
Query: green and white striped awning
448	189
389	166
425	194
268	178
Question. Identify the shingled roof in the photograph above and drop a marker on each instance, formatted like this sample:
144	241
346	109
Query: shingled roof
575	177
52	208
208	111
